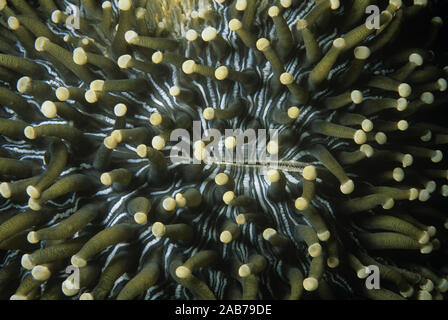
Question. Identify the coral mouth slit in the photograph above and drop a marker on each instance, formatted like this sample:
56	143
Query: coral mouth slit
355	177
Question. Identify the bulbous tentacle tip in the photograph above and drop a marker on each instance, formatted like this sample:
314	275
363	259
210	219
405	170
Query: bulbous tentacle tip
87	296
347	187
26	262
41	273
78	261
333	262
310	284
18	297
443	285
244	271
5	190
183	272
33	237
